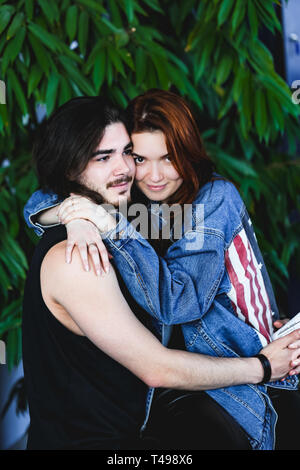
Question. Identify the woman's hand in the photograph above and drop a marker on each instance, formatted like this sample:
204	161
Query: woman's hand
279	323
86	237
79	207
284	355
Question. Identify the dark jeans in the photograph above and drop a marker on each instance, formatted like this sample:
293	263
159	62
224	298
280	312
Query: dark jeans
287	406
194	421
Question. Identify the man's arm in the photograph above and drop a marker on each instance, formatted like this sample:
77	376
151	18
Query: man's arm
99	309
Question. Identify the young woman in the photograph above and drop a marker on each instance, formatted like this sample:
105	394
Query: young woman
212	281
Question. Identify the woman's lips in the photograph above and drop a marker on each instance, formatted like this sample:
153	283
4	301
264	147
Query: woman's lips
156	188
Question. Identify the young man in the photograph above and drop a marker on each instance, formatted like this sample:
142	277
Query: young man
88	358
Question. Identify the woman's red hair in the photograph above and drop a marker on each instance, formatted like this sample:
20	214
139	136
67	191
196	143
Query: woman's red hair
168	112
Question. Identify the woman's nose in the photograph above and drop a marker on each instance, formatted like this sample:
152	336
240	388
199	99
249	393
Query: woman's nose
155	174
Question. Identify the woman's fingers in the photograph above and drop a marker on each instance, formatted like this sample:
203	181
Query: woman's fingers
69	250
279	323
72	203
294	345
295	371
94	254
104	255
71	210
83	251
85	236
99	255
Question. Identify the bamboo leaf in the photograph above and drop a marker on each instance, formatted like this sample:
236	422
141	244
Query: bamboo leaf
223	69
141	65
17	90
65	92
29	9
46	38
6	12
92	5
71	21
109	71
236	164
238	14
34	78
126	57
50	10
161	71
119	97
4	280
275	111
204	58
115	13
15	25
129	9
13	48
260	112
116	60
40	53
121	39
224	11
154	5
51	93
110	25
83	84
252	17
83	30
99	70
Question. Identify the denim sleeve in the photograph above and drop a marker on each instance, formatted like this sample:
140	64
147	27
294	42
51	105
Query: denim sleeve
38	202
178	288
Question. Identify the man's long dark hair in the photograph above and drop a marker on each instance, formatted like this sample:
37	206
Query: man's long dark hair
66	143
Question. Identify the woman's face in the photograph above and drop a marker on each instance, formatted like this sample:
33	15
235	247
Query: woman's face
155	175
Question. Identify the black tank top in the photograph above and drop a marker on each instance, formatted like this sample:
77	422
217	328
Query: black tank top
79	398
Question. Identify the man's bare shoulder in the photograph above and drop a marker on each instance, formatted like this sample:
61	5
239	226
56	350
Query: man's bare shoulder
55	266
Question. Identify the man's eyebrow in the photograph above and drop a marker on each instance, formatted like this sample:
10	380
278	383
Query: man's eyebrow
102	152
105	152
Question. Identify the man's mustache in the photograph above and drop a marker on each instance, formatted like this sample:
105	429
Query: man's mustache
124	179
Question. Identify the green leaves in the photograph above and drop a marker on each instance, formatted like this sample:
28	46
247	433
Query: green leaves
50	10
209	51
6	12
260	113
14	84
83	30
48	39
75	75
224	10
15	25
13	48
71	21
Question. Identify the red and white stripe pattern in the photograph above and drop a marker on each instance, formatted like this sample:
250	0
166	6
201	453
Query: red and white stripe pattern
248	293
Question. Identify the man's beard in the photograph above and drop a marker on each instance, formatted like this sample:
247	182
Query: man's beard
101	199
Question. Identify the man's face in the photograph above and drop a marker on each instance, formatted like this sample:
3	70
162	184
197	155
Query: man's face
111	170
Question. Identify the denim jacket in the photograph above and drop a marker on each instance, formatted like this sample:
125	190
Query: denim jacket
214	283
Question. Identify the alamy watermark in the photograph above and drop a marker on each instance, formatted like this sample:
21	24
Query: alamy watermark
164	222
2	352
2	92
296	94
